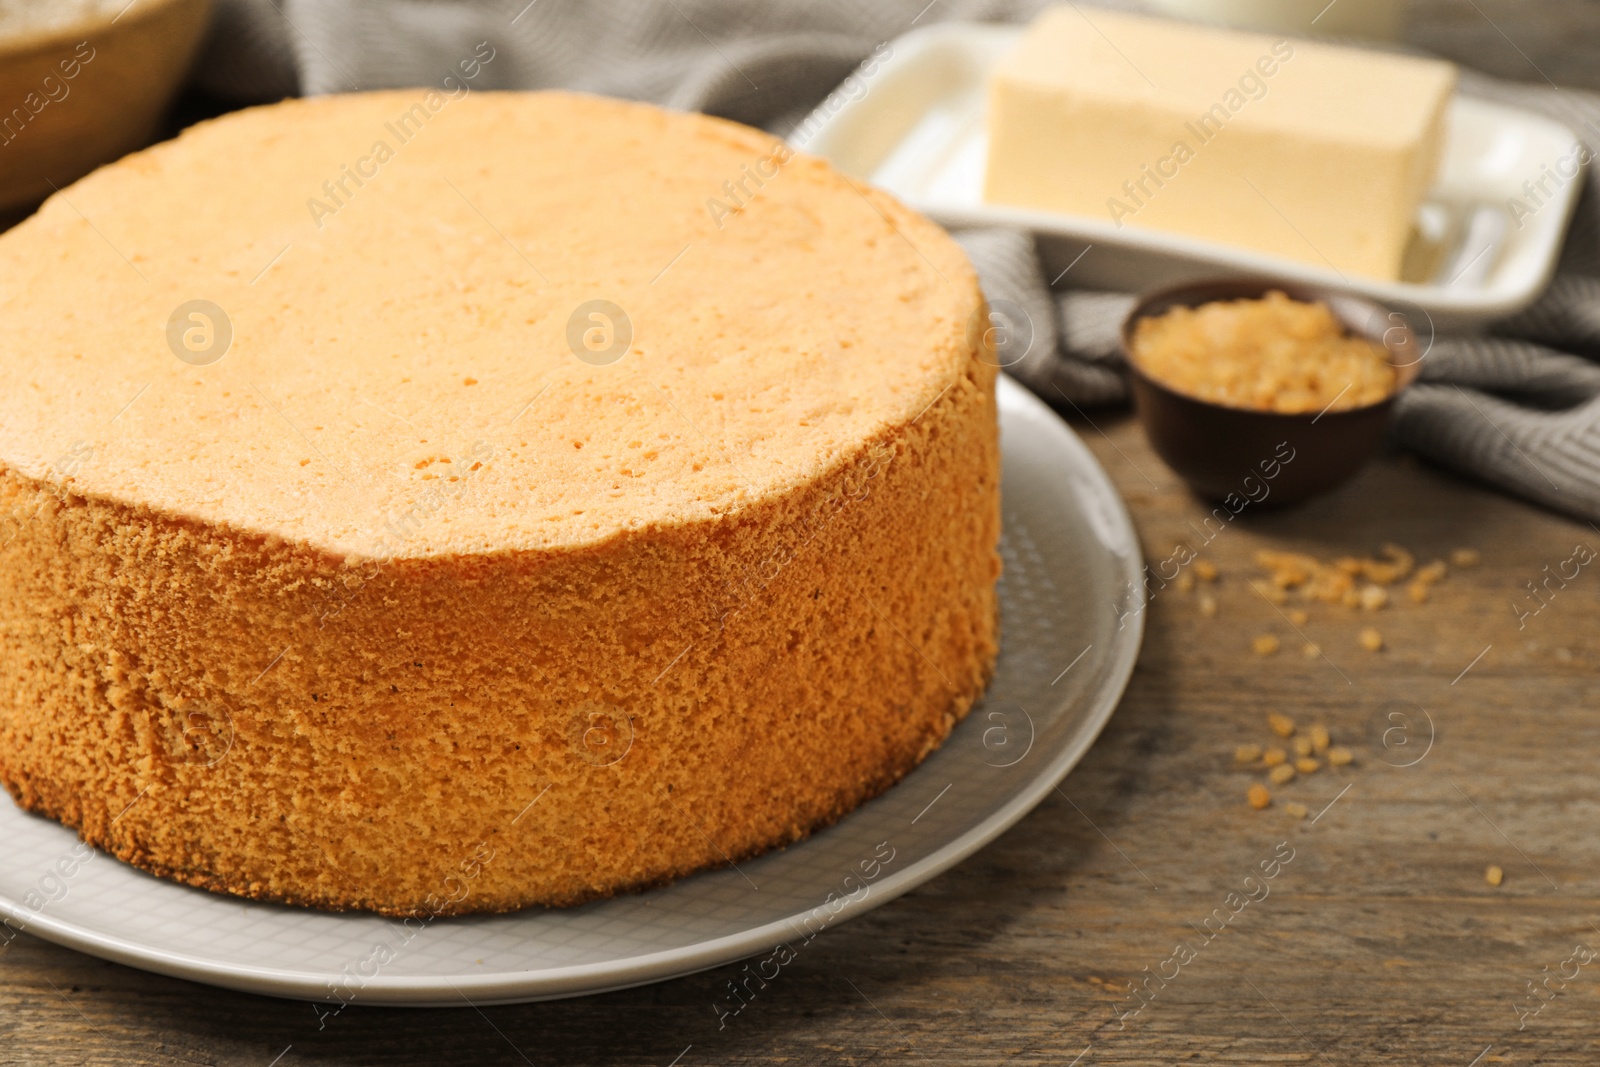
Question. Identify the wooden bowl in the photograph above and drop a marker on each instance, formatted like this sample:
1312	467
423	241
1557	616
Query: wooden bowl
1265	458
80	95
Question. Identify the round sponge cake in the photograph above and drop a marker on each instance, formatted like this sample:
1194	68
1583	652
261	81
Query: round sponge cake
415	502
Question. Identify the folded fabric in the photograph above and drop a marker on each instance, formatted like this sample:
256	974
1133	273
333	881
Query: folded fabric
1518	408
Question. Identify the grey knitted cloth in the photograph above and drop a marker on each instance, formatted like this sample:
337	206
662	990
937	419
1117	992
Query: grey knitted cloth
1518	408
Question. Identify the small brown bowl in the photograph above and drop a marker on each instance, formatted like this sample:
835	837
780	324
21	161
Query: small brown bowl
1266	458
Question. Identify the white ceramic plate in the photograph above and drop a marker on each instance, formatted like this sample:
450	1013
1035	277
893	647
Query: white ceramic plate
915	125
1071	604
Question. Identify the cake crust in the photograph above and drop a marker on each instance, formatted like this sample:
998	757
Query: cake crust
360	619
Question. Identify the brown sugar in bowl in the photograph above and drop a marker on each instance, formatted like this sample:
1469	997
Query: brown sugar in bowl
1268	458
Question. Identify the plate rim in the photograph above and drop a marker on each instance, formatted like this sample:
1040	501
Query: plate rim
554	983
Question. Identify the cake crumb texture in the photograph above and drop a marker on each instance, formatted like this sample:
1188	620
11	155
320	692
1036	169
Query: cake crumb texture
403	606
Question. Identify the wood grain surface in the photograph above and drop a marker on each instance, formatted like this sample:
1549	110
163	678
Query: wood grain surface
1378	942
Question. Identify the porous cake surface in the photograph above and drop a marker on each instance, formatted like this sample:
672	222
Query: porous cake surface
458	503
787	332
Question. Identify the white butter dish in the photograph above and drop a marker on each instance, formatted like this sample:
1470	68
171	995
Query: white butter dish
915	126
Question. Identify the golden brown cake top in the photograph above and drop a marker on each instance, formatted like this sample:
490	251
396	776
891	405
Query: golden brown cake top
416	366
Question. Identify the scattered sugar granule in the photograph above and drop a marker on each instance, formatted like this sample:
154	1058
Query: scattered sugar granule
1185	582
1466	557
1264	645
1282	774
1371	640
1258	796
1399	565
1307	765
1281	724
1295	810
1247	753
1310	651
1208	605
1302	745
1494	876
1272	594
1205	570
1299	616
1339	756
1272	757
1320	738
1374	597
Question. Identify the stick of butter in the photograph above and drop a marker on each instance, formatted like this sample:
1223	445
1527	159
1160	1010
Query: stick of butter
1313	152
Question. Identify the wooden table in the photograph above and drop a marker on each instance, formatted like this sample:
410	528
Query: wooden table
1378	942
